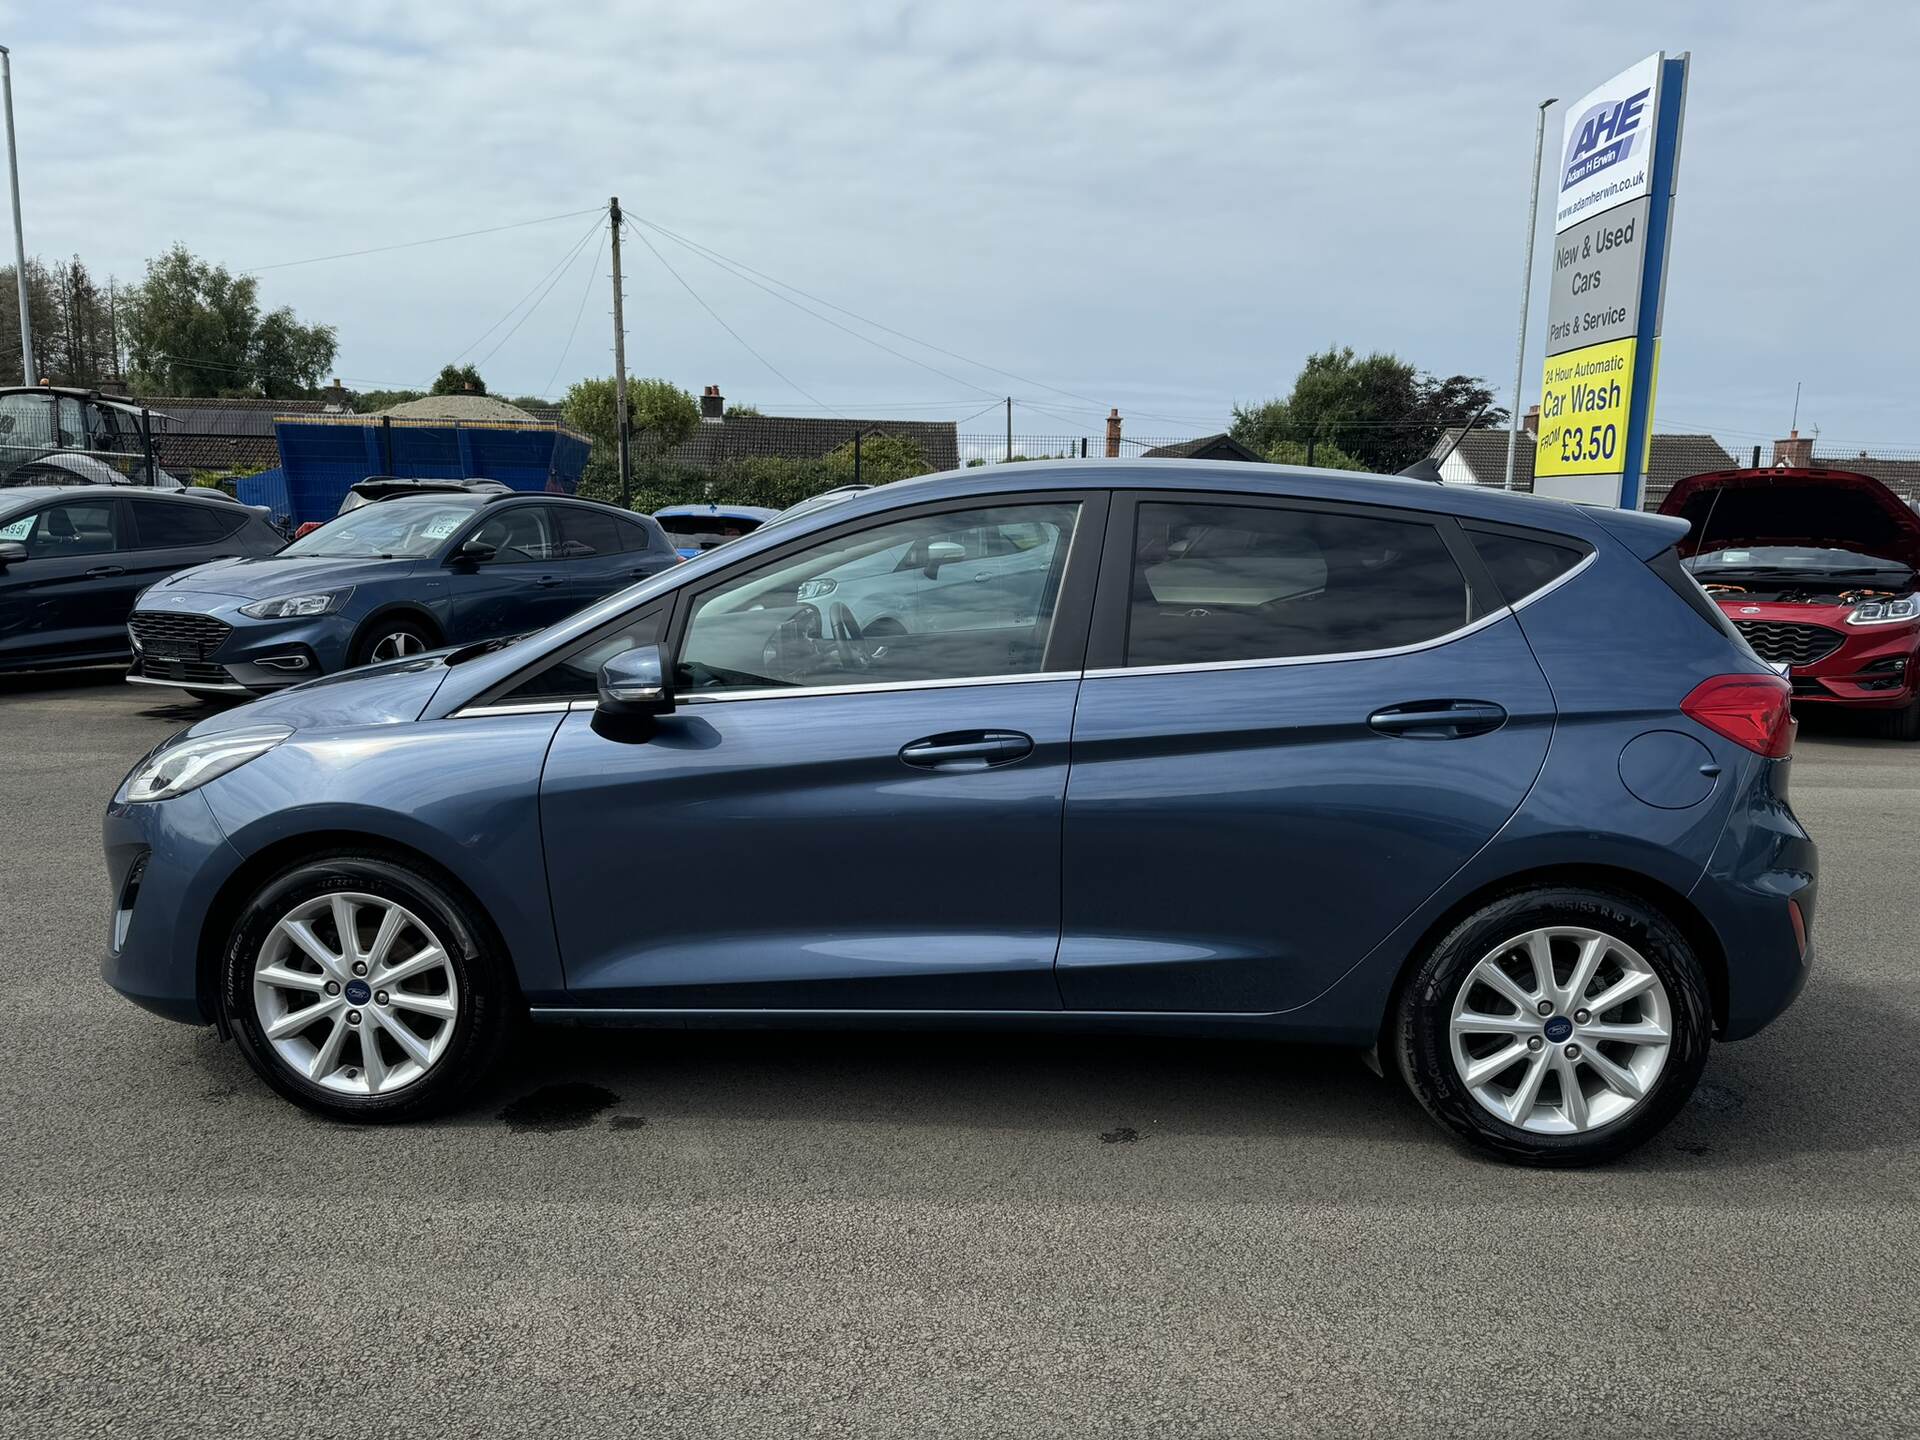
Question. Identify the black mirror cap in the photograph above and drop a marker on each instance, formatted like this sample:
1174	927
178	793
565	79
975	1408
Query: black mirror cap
12	552
475	551
636	683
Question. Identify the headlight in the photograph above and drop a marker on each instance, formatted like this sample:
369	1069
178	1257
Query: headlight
288	607
188	764
1886	612
814	589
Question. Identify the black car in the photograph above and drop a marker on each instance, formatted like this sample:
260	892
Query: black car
72	559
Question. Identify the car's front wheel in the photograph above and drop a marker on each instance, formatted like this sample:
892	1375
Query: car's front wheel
392	639
362	987
1556	1026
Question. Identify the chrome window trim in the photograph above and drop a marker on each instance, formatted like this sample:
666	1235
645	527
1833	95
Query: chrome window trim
1491	617
527	707
878	687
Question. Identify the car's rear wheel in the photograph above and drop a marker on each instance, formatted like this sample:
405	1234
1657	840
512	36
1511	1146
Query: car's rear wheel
393	639
1556	1026
362	987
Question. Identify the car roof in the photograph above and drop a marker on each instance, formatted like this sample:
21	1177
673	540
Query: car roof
31	494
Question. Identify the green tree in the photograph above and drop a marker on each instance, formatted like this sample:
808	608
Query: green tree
883	459
194	328
458	380
366	402
742	412
1377	412
530	402
660	415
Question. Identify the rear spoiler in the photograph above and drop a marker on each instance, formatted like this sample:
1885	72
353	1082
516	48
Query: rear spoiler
1646	535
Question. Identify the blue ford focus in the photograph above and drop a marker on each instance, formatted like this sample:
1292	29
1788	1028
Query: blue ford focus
397	577
1480	783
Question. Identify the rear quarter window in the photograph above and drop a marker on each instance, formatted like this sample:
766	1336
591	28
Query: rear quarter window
1523	564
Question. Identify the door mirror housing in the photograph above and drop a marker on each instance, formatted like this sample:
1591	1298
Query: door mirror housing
943	552
472	552
12	552
635	683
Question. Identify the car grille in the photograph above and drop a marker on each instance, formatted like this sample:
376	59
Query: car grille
164	636
1778	640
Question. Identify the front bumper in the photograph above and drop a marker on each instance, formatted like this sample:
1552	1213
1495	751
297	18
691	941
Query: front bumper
1873	667
252	657
166	861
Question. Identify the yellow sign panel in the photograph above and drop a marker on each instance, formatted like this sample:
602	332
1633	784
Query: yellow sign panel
1583	410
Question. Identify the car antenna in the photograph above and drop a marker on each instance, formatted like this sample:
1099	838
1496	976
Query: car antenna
1427	467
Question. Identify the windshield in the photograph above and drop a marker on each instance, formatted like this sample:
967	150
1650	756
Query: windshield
1812	559
410	528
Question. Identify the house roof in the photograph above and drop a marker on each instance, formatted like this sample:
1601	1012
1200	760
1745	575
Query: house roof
1900	476
1207	447
807	438
1482	460
219	432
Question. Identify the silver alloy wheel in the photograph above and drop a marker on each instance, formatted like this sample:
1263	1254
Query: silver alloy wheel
396	645
1561	1030
355	993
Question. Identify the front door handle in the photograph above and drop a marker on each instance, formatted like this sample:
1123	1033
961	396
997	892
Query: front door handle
547	582
1439	719
967	750
102	570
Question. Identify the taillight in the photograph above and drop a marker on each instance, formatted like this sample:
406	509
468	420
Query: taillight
307	529
1750	710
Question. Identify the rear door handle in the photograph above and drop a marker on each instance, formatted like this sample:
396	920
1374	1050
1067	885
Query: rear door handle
1439	719
967	750
101	570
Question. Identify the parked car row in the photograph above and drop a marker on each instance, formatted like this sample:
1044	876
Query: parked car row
1209	748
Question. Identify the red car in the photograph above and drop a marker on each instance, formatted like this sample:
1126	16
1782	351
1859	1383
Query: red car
1817	568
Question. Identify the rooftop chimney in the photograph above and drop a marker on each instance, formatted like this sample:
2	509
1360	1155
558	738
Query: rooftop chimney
1113	432
713	405
1793	452
1530	422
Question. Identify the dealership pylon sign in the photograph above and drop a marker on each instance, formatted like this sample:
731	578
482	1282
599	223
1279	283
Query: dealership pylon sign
1613	219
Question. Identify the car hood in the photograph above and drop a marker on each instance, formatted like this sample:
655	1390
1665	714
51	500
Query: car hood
389	694
267	577
1833	508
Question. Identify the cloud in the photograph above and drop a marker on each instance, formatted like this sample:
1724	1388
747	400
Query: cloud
1158	207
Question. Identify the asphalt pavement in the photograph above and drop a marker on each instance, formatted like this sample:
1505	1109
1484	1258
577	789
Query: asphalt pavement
871	1235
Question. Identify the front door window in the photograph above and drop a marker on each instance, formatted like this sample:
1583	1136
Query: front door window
959	595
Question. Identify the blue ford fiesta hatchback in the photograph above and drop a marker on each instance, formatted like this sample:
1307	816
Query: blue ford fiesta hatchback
392	577
1482	783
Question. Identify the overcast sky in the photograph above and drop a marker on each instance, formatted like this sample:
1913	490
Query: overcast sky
1162	207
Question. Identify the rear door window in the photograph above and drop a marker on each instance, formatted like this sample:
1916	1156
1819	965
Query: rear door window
1215	582
584	533
165	525
1523	564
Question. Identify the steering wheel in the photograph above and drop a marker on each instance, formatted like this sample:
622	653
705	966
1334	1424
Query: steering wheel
847	637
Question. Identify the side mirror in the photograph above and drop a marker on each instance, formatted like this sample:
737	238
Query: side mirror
12	552
943	552
474	551
634	683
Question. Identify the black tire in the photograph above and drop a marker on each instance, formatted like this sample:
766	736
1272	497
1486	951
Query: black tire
1904	723
488	1000
414	635
1420	1027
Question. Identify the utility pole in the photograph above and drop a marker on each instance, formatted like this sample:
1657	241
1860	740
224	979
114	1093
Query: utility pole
19	236
620	359
1526	289
1009	427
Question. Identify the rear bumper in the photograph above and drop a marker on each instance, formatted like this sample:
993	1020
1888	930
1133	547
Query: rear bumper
1764	868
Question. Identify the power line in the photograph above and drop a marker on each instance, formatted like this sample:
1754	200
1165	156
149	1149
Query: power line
578	246
911	339
714	259
411	244
565	259
593	273
795	385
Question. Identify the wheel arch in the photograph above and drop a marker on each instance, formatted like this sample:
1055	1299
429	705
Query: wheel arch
396	609
1685	915
217	923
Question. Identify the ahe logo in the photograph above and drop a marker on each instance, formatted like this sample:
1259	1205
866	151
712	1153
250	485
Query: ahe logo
1604	136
